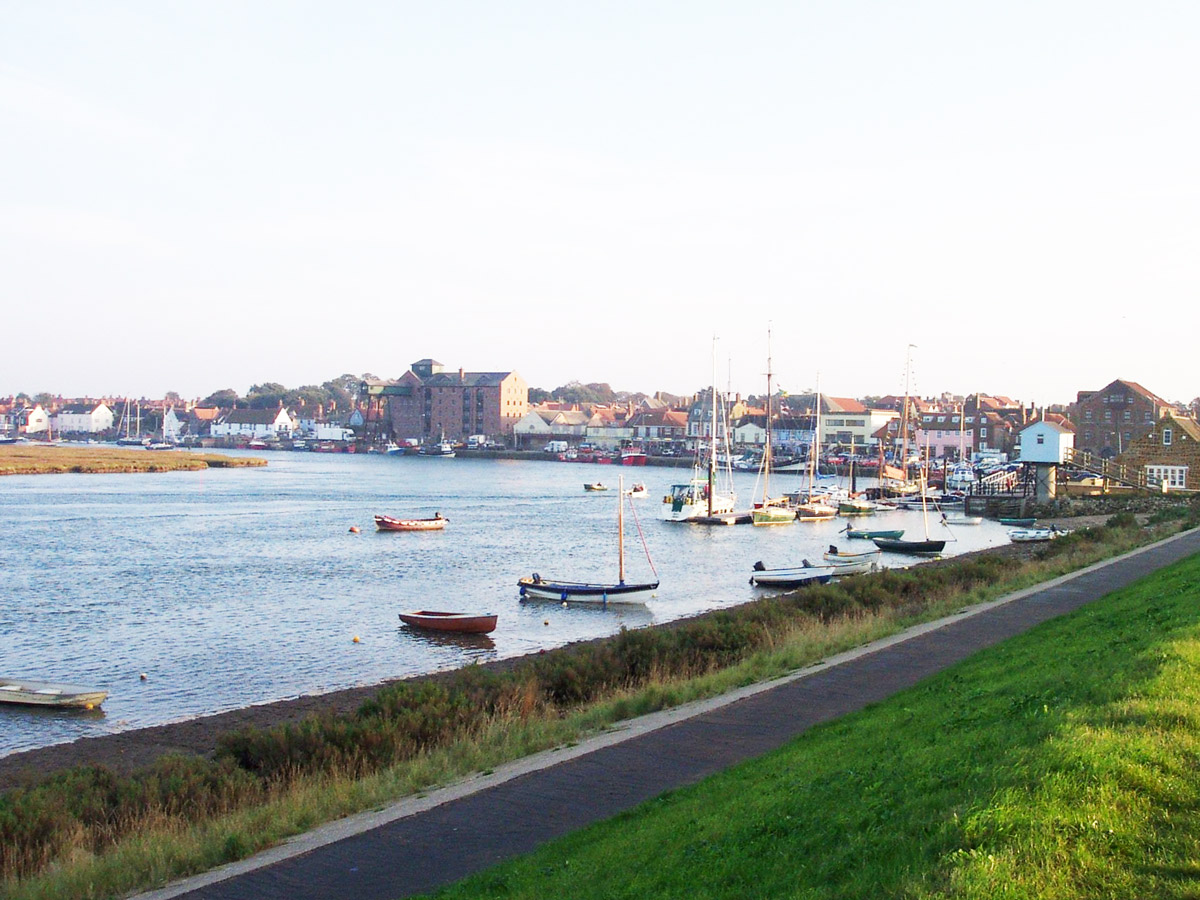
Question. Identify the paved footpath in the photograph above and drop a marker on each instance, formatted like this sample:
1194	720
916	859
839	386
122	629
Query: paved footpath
424	843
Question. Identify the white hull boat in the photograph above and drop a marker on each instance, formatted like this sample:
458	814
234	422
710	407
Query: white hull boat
47	693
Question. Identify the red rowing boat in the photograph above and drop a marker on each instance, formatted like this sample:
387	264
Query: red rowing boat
387	523
449	621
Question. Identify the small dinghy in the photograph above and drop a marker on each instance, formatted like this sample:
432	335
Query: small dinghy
464	623
387	523
791	576
47	693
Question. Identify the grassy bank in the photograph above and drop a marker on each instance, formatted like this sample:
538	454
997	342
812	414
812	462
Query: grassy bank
1059	764
90	833
57	459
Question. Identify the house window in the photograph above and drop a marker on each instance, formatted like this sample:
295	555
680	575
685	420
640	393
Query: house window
1041	439
1172	476
983	431
1167	437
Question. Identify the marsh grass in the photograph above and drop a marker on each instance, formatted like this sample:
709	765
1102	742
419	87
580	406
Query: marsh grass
1060	764
39	459
89	833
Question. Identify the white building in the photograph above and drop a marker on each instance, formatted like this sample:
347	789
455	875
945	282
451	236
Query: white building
32	420
254	423
1045	442
85	418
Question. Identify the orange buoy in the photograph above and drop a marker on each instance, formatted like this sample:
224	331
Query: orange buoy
354	529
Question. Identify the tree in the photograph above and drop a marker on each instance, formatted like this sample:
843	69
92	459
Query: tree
172	397
226	397
265	396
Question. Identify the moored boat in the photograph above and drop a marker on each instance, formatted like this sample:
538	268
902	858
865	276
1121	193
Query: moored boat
791	576
889	534
595	486
895	545
464	623
849	563
536	586
1018	523
388	523
47	693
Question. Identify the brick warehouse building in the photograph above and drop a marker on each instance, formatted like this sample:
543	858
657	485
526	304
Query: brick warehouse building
428	402
1110	419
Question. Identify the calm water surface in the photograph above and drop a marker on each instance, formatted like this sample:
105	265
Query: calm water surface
241	586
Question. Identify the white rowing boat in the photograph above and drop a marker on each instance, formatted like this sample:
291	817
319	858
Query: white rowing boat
46	693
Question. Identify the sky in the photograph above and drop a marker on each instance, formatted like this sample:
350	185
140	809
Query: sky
997	197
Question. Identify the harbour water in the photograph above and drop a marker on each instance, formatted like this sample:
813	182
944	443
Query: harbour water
232	587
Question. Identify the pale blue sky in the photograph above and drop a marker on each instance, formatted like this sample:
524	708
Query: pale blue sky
198	195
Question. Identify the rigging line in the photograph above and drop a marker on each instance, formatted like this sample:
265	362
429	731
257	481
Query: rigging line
638	523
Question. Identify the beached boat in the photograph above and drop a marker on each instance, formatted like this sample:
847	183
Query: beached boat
1018	523
387	523
849	563
48	693
536	586
464	623
790	576
1030	535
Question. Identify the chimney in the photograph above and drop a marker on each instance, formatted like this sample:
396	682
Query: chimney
461	376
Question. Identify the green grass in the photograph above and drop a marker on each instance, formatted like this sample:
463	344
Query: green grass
43	459
1061	764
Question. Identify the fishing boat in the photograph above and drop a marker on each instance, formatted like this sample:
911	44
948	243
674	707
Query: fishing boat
850	563
772	510
595	486
463	623
47	693
791	576
536	586
387	523
700	500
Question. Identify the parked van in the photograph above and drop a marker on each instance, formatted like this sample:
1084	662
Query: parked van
476	441
556	447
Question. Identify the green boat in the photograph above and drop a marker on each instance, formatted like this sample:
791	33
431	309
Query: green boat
1018	523
871	535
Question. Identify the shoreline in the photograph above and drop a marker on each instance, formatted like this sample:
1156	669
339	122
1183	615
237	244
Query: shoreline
126	751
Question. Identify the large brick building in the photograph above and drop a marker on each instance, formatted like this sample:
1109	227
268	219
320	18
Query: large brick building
1109	420
428	402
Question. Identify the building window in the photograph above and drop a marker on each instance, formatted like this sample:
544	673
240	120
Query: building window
983	431
1108	415
1128	416
1041	439
1087	435
1172	476
1167	437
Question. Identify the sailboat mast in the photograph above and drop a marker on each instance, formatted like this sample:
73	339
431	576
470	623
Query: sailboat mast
621	529
712	450
767	444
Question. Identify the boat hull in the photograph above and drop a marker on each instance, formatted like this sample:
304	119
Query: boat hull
893	545
894	535
387	523
46	693
791	577
536	586
773	515
461	623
